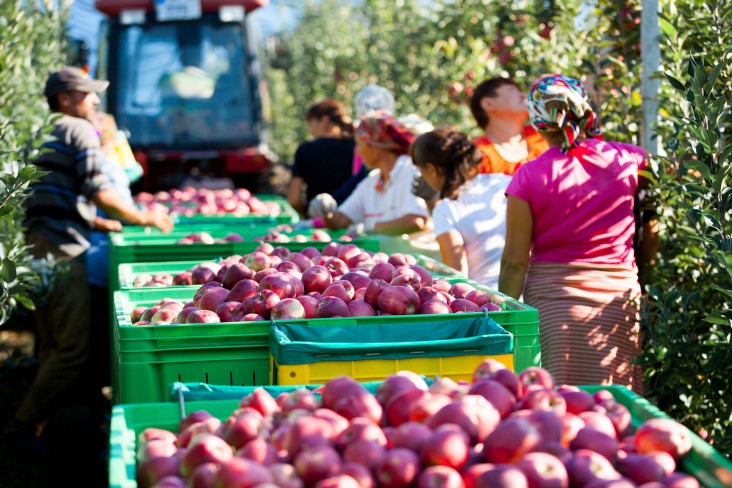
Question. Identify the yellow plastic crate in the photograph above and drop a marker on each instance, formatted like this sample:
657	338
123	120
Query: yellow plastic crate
454	367
376	347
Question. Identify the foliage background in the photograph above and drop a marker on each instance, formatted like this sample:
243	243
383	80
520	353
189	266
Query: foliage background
31	45
431	54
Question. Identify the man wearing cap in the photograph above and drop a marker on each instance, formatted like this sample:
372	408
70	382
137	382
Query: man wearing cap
60	215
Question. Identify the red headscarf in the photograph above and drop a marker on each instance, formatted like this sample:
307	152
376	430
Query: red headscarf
380	129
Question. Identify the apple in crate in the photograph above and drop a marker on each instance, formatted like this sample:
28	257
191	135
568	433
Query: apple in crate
663	435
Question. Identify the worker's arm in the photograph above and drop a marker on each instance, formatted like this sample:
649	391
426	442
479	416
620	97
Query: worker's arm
515	259
294	194
406	224
112	204
452	250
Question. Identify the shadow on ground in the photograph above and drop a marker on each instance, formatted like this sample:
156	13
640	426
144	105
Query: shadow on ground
72	450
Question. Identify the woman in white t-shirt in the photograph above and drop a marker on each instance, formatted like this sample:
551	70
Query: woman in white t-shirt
383	202
470	218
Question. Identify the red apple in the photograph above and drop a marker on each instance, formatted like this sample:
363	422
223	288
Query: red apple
214	297
425	276
513	438
330	306
258	260
364	452
599	421
434	307
398	300
261	303
290	308
202	317
309	304
589	438
383	271
640	468
284	285
498	395
341	289
578	401
206	448
680	480
373	290
242	290
448	446
316	278
460	290
361	474
472	413
535	375
231	312
502	476
412	435
242	473
586	466
543	470
301	261
461	305
357	279
663	435
317	463
336	267
544	399
399	468
359	308
285	476
439	477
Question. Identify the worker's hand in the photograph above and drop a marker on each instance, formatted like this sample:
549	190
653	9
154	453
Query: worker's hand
421	189
321	205
360	229
107	225
159	220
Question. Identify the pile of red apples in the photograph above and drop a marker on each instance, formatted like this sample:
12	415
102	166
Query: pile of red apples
191	201
342	281
273	236
503	430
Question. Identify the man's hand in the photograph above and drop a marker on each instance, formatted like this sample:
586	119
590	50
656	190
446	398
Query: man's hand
159	220
107	225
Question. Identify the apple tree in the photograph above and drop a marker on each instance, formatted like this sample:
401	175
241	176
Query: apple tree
31	45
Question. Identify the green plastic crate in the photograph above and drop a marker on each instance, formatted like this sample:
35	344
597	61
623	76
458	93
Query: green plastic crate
127	272
123	250
288	215
704	462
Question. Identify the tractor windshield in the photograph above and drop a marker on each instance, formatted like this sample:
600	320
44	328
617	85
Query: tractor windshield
184	84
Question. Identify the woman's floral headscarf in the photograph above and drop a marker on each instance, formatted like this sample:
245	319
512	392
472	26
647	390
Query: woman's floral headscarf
560	103
379	129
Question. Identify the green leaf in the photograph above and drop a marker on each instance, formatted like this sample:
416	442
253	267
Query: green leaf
668	28
702	168
717	318
676	84
8	270
713	77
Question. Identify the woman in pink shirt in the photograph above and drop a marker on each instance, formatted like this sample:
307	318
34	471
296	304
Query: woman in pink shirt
569	241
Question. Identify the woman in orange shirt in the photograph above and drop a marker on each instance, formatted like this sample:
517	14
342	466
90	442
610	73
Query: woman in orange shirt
499	108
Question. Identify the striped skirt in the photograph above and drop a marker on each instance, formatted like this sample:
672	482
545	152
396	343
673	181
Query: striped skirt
589	322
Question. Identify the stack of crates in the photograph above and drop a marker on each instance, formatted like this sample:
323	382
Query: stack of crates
147	359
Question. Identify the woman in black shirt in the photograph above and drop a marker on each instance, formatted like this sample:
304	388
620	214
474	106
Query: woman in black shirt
324	164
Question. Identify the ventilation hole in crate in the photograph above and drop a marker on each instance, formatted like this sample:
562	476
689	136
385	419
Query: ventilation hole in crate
179	378
231	378
292	374
254	378
206	377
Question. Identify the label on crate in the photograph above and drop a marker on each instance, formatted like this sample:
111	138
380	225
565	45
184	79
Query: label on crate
171	10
